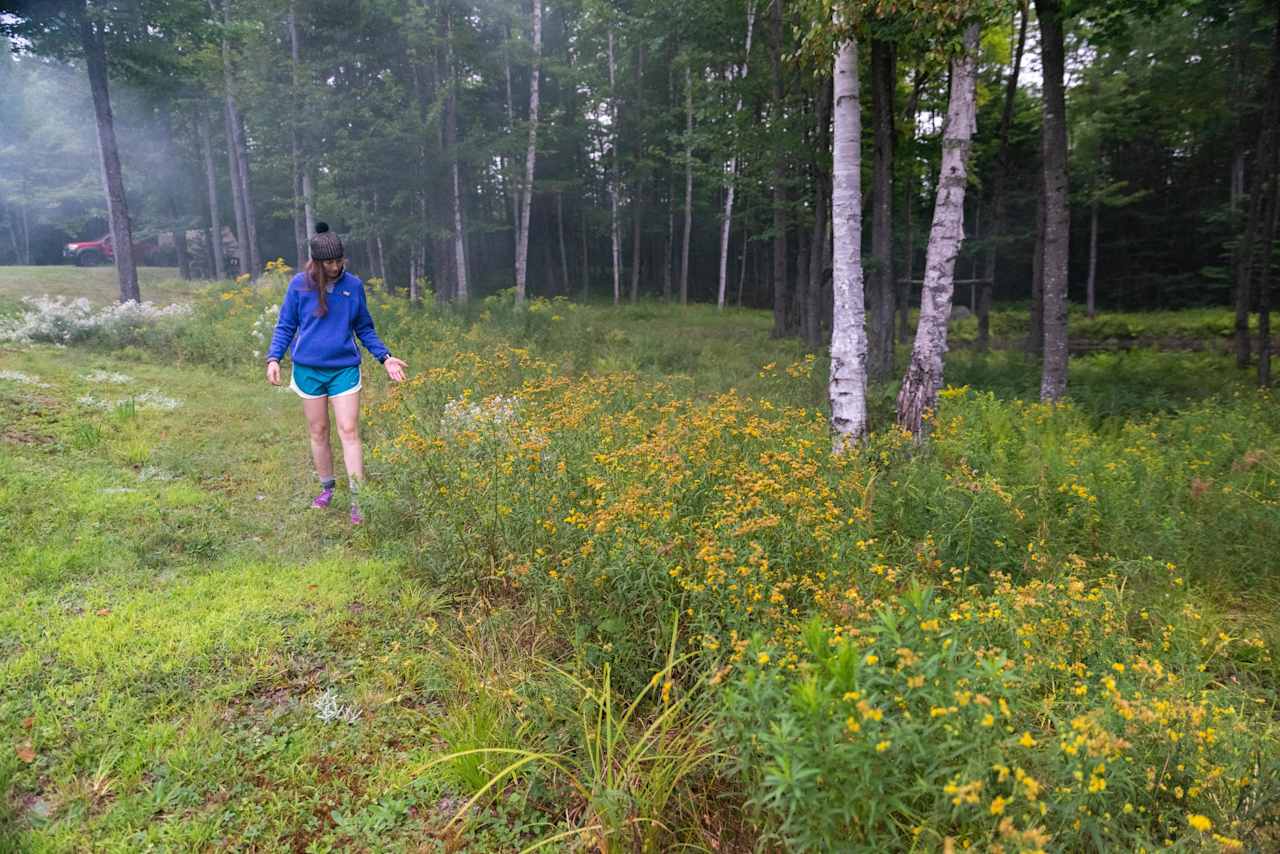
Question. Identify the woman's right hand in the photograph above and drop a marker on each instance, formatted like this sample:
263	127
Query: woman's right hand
273	372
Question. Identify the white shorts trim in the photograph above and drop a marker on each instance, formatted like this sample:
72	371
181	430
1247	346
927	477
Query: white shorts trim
302	394
357	387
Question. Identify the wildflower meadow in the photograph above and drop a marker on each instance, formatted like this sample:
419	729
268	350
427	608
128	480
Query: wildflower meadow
616	593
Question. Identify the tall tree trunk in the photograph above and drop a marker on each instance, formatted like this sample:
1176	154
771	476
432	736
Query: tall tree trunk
1091	285
688	184
513	194
731	170
1035	335
95	53
999	182
211	179
847	388
614	189
779	174
1248	251
300	232
455	184
1057	213
246	196
180	249
566	288
531	154
1264	281
920	386
637	195
237	196
884	80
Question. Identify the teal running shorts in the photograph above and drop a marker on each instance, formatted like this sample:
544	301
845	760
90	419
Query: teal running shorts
312	383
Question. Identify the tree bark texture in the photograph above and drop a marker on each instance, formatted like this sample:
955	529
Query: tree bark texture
923	380
95	54
637	194
1057	213
847	386
999	184
531	154
881	293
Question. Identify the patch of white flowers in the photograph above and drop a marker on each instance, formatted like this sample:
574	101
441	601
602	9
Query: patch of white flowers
152	399
329	710
109	377
263	328
57	320
24	379
461	416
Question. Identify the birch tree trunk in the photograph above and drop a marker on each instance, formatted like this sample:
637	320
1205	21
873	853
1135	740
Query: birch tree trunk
999	182
847	388
882	291
1057	213
923	380
731	170
531	153
211	179
614	189
688	185
455	183
95	55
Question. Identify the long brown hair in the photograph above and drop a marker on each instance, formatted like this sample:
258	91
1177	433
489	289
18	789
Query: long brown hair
316	283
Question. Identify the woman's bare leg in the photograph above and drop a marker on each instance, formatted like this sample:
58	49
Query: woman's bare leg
346	411
317	412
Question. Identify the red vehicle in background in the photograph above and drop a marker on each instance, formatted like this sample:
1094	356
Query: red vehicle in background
91	253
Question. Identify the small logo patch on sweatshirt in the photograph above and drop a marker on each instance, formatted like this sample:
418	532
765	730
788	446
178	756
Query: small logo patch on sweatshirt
346	293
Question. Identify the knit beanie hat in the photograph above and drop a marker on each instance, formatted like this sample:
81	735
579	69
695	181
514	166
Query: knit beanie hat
325	246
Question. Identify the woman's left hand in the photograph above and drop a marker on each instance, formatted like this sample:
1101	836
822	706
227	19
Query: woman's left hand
395	368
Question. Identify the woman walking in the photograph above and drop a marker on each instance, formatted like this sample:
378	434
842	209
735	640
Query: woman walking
325	309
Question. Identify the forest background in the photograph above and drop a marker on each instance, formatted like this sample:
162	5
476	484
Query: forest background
616	590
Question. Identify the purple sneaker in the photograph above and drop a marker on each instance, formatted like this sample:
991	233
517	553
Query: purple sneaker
322	500
356	518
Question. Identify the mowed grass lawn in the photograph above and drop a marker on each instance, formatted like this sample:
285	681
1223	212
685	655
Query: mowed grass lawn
170	613
99	285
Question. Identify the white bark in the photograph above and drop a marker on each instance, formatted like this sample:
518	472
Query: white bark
847	387
731	170
919	393
615	237
455	188
531	153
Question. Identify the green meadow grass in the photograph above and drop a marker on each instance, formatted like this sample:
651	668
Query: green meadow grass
171	614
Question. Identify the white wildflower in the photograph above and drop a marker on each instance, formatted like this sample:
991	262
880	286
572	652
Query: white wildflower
328	709
25	379
109	377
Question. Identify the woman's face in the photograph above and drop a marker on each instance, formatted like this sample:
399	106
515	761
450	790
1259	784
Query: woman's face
333	268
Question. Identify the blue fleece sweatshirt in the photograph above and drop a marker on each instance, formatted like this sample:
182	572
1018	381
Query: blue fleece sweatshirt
329	341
